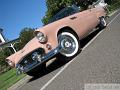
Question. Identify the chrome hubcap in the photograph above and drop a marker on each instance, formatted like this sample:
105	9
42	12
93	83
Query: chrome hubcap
68	44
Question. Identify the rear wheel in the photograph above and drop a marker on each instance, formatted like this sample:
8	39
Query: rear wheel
102	23
69	43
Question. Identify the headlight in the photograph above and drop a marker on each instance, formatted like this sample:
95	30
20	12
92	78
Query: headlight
41	37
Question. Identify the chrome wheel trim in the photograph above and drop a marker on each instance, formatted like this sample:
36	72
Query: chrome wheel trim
103	22
69	44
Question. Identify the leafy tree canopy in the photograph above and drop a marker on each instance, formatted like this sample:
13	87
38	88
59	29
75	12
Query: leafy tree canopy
26	35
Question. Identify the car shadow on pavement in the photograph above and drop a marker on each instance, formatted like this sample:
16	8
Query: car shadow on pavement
61	60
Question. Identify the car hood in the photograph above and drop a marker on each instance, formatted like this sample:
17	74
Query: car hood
29	47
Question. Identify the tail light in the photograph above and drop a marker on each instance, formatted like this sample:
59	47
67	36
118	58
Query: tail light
10	62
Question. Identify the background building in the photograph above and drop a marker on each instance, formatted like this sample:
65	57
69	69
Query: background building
4	43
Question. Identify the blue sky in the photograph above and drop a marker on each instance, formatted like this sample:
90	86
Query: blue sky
17	14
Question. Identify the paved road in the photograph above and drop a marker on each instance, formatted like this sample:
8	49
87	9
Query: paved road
99	62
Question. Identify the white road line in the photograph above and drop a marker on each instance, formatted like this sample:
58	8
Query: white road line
113	19
54	77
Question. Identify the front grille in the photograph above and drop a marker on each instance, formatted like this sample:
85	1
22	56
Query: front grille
27	62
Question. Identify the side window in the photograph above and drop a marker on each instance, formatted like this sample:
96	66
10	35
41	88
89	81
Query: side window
66	12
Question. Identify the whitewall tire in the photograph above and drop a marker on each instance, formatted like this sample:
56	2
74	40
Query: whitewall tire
103	23
69	43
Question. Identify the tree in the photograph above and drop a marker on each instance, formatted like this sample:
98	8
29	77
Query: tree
112	1
25	36
2	58
4	53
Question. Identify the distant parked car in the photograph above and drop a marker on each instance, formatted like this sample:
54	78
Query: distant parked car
61	35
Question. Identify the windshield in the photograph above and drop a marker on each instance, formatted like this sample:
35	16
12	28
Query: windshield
64	13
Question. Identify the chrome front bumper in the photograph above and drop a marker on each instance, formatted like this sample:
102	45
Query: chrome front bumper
36	63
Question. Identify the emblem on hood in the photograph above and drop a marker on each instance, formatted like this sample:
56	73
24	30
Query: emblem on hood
22	51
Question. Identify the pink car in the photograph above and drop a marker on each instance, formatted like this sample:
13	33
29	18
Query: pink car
61	35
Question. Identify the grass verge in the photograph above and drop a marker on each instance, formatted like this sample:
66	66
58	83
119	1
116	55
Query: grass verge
9	78
114	7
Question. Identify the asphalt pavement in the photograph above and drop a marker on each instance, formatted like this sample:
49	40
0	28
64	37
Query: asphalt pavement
97	63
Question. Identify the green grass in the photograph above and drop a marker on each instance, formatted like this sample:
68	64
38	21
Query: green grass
9	78
114	7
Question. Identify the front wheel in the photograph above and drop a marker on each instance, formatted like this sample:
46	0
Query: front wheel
69	43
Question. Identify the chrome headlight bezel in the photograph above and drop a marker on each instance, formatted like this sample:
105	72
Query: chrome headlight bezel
41	37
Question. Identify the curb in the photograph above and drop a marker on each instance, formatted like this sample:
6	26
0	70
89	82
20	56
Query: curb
20	83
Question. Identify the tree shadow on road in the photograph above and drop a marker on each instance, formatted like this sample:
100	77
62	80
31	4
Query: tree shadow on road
61	61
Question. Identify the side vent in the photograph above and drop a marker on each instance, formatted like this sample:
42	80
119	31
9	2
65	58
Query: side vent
72	18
